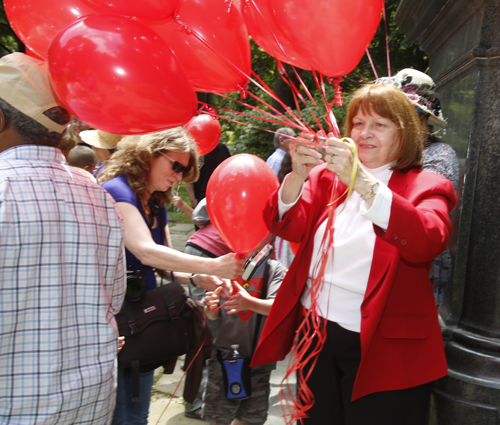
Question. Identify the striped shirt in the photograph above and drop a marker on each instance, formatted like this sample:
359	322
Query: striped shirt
61	282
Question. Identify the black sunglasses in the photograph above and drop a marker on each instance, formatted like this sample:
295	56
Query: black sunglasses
177	167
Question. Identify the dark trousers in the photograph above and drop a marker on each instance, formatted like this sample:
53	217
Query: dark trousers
332	382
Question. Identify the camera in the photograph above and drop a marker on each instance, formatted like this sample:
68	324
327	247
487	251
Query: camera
256	261
135	285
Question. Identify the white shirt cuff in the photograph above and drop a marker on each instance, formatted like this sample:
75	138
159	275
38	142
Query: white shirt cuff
282	207
380	211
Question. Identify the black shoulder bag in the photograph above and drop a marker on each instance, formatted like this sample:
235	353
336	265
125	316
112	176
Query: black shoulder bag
158	325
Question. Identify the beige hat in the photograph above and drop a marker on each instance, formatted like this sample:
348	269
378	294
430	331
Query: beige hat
100	139
25	85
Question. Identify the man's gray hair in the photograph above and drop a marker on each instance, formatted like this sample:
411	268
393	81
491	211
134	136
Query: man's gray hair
285	131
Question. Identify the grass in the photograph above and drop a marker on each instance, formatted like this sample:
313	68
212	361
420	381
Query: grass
175	217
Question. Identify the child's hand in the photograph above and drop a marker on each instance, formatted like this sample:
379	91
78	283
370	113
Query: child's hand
212	299
240	300
121	343
177	201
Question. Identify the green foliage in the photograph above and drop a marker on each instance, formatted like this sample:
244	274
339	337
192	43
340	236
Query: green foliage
9	42
253	137
174	215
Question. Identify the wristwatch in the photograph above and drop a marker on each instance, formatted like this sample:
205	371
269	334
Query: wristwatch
373	191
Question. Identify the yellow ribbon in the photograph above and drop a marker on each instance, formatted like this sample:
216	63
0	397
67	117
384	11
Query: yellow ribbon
353	174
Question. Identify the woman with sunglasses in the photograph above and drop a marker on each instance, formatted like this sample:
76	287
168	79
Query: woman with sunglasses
140	177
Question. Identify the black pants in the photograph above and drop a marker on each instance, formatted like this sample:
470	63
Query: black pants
332	382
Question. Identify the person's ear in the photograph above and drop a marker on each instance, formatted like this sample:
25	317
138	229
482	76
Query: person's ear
3	121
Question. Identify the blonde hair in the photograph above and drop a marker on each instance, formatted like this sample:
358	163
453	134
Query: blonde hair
389	102
134	153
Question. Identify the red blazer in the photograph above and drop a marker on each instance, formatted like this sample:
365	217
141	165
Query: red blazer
401	342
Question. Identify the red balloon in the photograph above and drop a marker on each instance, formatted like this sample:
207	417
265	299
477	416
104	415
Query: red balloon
117	75
205	130
37	22
268	35
331	35
151	10
222	62
237	192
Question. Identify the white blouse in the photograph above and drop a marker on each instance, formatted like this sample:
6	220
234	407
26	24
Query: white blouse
346	273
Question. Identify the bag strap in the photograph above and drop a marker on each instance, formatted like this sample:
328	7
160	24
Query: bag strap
259	316
169	303
135	382
131	322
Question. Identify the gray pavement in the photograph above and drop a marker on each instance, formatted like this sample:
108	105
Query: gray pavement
168	410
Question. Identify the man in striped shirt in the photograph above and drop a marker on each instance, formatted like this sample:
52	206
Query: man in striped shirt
61	265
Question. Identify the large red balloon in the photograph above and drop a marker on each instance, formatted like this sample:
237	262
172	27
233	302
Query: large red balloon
153	10
36	22
223	65
236	195
331	35
205	130
268	34
117	75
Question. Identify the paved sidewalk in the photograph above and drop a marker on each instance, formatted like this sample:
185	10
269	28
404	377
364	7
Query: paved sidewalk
166	384
174	413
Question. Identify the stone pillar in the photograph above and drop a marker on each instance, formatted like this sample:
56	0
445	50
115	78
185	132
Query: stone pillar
462	39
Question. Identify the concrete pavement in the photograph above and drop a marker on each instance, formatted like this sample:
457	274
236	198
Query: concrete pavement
166	385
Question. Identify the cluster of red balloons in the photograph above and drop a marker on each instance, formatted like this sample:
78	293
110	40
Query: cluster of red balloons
132	67
329	36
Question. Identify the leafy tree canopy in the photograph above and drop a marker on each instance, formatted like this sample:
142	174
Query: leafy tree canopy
253	137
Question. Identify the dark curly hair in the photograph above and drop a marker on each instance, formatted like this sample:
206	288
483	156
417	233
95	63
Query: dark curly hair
33	132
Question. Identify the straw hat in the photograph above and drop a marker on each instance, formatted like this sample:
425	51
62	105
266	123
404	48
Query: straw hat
100	139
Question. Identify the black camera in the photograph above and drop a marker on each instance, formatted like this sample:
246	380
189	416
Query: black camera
135	285
256	261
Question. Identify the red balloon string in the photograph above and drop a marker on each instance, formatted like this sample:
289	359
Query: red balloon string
296	93
311	335
337	99
284	122
371	63
387	43
268	91
329	117
186	370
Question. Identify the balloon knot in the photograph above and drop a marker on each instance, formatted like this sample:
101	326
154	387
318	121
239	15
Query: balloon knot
337	99
208	110
243	93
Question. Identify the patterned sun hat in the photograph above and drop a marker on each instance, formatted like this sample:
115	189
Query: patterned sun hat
419	89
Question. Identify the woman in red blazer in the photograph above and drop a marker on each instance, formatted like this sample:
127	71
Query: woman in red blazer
383	346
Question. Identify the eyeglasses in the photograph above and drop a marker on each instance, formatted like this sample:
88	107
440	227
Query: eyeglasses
177	167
